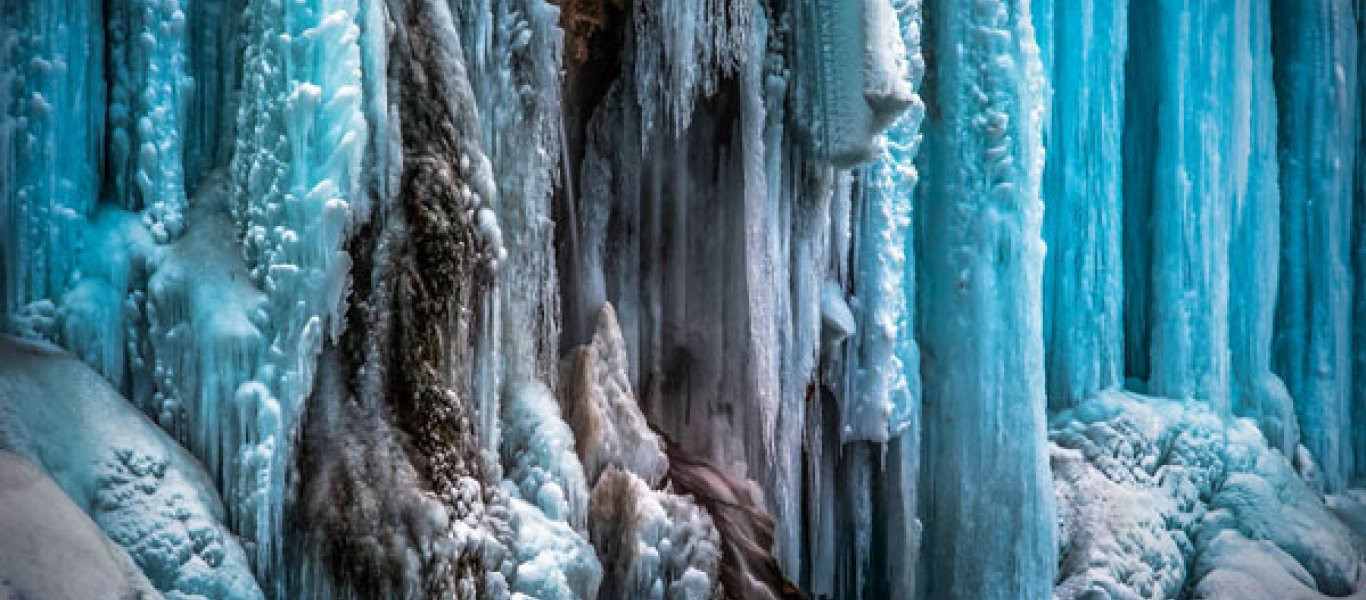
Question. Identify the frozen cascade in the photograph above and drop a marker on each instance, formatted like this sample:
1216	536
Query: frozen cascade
709	299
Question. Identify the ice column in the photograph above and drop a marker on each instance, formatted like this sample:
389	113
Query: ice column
1179	192
1083	282
51	132
1315	45
989	511
1254	249
888	367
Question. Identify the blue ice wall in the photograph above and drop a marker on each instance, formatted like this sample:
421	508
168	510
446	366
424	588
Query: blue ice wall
989	501
1083	286
1315	44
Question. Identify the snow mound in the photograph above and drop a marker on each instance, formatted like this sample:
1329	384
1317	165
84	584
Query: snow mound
42	534
1163	499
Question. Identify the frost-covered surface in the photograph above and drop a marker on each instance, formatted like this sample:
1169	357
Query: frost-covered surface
143	490
1160	499
653	543
339	249
43	535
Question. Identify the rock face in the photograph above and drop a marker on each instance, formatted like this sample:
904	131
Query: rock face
51	549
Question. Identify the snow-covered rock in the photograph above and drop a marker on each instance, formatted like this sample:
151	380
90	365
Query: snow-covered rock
143	490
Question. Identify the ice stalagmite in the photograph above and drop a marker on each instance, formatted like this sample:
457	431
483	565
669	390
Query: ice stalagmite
989	501
1315	75
1083	283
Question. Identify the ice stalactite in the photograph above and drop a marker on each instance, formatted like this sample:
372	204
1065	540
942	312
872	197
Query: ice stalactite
1083	287
514	47
148	111
989	503
1318	103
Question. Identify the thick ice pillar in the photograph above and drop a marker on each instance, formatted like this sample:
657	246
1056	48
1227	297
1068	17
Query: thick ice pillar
1254	247
989	512
1083	283
886	386
1179	190
51	129
1315	76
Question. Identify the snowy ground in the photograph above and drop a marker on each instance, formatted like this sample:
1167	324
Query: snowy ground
1164	499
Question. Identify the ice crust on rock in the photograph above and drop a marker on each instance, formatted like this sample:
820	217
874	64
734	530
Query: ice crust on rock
145	492
43	535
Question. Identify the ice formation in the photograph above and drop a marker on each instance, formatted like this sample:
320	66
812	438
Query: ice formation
712	299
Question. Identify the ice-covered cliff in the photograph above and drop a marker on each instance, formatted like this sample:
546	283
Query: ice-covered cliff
916	299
